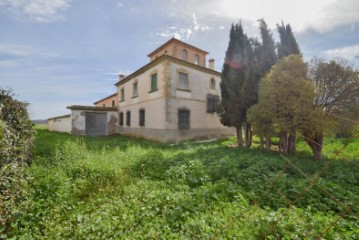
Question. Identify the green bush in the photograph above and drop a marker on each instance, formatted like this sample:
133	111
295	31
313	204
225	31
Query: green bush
15	154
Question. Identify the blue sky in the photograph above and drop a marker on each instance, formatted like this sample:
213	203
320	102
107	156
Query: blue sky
56	53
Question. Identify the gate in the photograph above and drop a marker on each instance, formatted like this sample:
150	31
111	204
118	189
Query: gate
96	124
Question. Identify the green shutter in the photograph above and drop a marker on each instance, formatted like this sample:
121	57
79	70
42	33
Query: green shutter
154	82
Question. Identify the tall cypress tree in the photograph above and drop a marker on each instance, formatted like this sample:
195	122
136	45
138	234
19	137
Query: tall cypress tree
238	81
287	45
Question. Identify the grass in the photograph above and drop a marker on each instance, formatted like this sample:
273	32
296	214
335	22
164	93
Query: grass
124	188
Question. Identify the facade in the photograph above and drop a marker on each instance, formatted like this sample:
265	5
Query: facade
171	99
60	123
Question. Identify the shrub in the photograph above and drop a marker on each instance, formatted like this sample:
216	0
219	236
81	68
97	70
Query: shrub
15	154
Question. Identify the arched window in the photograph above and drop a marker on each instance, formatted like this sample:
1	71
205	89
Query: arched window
196	59
184	55
212	84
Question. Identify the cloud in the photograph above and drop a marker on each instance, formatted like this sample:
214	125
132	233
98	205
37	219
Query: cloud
349	53
14	49
338	13
42	11
185	32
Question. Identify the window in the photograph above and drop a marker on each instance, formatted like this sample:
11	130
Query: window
113	103
135	89
103	105
128	118
122	94
183	81
183	119
196	59
212	103
212	84
154	82
141	117
121	118
184	55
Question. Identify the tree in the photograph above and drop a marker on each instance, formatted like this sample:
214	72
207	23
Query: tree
285	101
238	85
336	86
287	45
265	57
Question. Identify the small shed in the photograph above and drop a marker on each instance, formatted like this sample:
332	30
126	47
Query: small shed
93	121
60	123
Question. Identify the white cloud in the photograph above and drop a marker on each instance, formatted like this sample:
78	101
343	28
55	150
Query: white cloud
349	53
14	49
43	11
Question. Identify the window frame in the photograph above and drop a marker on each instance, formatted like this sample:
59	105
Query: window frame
128	118
184	125
152	89
141	117
196	59
121	118
179	85
135	89
184	56
122	94
212	103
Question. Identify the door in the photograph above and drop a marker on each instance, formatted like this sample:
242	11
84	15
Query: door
96	124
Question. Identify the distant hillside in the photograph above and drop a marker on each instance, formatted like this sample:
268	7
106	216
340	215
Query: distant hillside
39	121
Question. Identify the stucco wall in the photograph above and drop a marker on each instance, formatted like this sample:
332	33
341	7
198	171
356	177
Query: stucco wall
107	102
174	49
62	124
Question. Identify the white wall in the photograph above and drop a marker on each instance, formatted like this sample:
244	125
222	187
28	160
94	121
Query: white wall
62	124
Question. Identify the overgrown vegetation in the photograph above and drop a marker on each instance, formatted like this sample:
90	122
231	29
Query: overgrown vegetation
15	154
121	188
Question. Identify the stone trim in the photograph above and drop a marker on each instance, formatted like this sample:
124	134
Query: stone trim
171	59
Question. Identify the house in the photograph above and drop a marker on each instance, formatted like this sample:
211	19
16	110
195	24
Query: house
170	99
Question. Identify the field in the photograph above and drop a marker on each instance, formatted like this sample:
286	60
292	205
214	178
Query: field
125	188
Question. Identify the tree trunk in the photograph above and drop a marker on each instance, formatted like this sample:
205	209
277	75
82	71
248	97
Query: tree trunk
283	142
268	143
247	135
291	143
316	144
239	136
261	142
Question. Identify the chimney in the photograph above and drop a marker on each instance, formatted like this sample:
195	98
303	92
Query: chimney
211	63
121	77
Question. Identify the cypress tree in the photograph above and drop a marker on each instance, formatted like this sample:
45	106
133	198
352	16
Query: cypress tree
287	45
238	85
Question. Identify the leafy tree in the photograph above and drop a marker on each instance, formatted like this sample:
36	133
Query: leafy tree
287	46
266	57
238	85
285	101
336	86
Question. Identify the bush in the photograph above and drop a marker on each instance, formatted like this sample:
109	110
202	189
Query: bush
15	154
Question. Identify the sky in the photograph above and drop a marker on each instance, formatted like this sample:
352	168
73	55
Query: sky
57	53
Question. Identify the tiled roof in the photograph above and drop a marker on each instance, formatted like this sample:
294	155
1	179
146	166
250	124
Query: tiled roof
176	40
92	108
